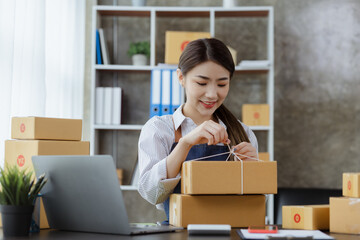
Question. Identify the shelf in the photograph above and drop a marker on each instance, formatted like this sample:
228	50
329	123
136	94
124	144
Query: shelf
128	187
114	67
260	128
183	11
118	127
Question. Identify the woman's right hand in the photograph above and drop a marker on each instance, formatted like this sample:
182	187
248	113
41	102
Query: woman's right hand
208	132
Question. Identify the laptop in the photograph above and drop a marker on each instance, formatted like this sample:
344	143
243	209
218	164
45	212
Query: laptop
83	194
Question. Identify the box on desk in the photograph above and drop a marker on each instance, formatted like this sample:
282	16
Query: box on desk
46	128
351	185
255	114
235	210
228	177
19	152
119	172
308	217
345	215
175	43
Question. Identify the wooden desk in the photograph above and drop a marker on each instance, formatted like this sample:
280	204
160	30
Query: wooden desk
180	235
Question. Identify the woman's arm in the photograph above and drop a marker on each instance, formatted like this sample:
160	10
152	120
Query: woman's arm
208	132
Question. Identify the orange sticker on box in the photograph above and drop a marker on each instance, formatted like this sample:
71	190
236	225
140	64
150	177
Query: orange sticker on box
22	127
256	115
183	45
297	214
349	185
20	160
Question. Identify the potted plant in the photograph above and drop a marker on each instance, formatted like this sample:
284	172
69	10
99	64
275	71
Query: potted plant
17	198
139	51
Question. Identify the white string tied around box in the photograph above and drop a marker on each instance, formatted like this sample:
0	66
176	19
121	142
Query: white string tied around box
236	155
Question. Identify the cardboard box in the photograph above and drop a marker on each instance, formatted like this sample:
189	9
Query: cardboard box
119	172
310	217
351	185
345	215
265	156
236	210
175	43
46	128
225	177
255	114
19	152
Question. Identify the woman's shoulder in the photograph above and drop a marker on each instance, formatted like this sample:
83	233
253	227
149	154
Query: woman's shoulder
162	123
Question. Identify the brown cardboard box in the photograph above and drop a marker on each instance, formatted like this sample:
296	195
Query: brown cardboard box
119	172
309	217
46	128
236	210
19	152
175	43
264	156
351	185
255	114
345	215
225	177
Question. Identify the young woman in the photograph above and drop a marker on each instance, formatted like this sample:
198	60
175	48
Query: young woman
200	127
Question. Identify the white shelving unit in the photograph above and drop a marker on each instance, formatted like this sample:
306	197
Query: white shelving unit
153	13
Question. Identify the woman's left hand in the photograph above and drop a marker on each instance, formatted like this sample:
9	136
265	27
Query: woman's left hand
247	151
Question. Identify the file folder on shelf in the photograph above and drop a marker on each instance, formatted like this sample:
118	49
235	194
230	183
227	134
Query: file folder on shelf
116	105
99	102
165	91
155	96
107	105
176	92
98	49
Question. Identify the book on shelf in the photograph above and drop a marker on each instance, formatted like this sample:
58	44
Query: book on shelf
104	49
116	106
108	105
98	48
99	105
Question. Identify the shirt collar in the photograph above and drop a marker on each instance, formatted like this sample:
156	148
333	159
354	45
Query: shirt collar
179	118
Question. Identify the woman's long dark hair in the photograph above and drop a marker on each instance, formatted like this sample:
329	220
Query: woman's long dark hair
211	49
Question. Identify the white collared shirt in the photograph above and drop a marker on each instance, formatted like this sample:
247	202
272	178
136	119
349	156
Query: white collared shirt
156	139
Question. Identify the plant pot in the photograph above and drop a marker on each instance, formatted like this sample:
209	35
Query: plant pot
16	220
139	59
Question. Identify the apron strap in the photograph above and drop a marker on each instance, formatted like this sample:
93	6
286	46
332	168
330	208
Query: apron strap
177	132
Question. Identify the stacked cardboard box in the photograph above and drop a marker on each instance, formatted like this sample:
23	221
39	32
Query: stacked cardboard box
308	217
256	114
213	193
43	136
345	211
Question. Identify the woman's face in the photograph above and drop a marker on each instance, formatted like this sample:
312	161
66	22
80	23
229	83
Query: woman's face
206	87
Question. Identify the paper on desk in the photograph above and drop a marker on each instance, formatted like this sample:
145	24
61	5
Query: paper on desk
316	234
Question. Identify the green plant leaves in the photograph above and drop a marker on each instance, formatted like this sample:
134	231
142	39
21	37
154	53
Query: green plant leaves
18	187
139	48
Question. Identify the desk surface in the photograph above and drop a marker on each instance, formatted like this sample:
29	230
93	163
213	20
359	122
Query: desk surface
56	234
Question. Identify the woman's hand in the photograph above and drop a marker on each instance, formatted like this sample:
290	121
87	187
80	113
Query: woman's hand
208	132
247	151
